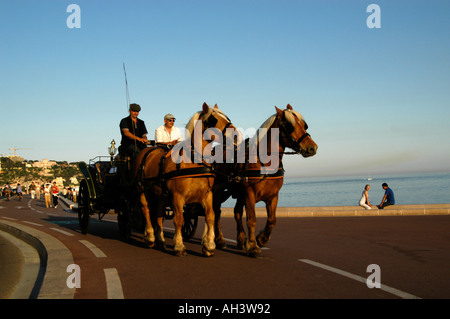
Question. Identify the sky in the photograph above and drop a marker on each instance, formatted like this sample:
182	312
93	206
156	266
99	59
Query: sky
376	100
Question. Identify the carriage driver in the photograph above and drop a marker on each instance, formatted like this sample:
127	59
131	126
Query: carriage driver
134	133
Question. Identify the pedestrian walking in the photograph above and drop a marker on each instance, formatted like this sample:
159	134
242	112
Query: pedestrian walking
47	194
74	195
38	191
32	190
19	191
55	194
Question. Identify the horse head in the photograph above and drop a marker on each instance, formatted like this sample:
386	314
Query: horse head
217	122
293	132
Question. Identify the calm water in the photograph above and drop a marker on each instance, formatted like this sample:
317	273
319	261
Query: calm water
430	188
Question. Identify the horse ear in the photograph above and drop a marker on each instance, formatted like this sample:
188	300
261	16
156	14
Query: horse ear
205	108
289	107
216	107
279	112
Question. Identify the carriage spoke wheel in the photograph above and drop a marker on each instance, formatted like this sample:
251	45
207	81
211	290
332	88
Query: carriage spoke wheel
190	222
83	207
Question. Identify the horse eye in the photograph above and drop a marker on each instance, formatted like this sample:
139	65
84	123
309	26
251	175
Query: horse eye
306	126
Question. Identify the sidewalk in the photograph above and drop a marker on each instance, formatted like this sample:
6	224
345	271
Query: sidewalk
347	211
336	211
44	272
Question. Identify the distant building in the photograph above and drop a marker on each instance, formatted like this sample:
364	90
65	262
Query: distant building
44	164
15	158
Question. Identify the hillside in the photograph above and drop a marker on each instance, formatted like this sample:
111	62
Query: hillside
23	172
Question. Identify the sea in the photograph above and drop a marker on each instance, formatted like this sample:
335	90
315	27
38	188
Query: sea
409	189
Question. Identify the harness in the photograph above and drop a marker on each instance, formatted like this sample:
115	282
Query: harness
254	173
205	170
287	128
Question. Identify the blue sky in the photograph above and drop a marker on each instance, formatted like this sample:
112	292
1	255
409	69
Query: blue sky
376	100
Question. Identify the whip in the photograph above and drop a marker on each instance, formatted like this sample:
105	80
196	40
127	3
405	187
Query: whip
126	86
128	100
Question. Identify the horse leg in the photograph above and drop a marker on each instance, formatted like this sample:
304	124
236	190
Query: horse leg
238	212
149	234
158	222
252	247
178	220
264	235
208	243
220	240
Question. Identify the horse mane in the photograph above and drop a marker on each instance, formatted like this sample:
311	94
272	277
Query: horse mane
289	114
191	124
266	125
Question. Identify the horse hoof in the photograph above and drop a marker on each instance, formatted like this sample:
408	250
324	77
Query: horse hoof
254	252
180	253
207	253
221	244
262	240
161	246
149	244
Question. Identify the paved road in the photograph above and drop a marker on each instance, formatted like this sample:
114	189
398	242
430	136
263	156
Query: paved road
306	258
11	263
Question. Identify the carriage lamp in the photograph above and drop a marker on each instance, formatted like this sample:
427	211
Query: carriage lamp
112	150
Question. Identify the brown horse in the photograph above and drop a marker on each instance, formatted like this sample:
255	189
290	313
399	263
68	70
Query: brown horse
183	175
262	174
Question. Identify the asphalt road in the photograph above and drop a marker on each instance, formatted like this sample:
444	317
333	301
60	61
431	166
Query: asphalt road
336	257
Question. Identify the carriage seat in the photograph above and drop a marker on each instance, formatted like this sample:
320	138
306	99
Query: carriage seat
102	168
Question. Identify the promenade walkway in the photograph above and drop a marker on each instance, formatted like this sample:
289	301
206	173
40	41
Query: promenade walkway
347	211
338	211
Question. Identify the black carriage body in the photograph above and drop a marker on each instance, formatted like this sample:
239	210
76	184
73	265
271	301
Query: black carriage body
107	186
102	181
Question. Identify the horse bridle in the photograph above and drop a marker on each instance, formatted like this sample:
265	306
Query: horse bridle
212	121
287	129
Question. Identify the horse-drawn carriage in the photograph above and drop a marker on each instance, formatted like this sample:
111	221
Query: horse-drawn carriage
191	185
106	187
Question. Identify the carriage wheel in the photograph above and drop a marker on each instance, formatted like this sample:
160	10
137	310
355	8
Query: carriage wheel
83	207
190	216
123	219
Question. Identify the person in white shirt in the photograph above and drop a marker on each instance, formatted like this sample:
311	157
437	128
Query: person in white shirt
47	194
364	201
168	134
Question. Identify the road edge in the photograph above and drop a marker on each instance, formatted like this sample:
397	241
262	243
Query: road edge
54	258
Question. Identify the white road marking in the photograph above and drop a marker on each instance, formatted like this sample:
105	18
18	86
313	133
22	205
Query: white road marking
31	223
94	249
383	287
62	231
113	284
8	218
